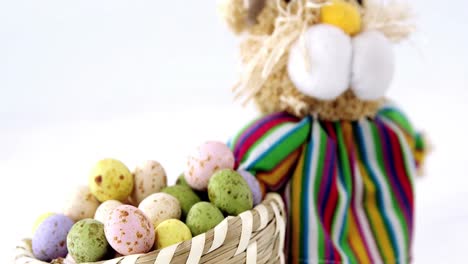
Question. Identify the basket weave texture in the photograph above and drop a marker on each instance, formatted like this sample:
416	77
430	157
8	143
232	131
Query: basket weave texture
255	236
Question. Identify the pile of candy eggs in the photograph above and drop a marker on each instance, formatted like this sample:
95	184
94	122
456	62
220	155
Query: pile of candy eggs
122	213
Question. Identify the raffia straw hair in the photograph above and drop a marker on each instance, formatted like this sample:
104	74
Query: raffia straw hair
394	19
263	55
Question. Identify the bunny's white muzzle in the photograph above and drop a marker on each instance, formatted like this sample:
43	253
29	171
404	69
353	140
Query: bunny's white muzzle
325	62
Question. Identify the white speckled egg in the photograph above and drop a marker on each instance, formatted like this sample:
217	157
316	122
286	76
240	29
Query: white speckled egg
208	159
80	204
129	231
159	207
103	211
149	178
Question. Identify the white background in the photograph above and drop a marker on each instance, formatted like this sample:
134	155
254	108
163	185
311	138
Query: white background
136	80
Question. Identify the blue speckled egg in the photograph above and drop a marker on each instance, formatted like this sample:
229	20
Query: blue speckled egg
50	239
254	186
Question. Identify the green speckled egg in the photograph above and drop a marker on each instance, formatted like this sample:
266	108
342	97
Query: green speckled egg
229	192
186	196
110	179
86	241
202	217
203	195
181	180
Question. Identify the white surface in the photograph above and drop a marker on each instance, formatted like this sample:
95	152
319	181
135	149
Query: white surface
136	80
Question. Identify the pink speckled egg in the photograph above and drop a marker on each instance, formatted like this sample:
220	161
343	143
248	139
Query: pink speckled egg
208	158
129	231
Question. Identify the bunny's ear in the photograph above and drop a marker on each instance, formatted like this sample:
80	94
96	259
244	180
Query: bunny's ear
241	14
254	8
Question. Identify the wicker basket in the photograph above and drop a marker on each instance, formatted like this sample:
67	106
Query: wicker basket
255	236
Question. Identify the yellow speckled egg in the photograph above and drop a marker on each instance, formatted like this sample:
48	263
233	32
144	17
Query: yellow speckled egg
149	178
342	14
110	179
171	232
80	204
159	207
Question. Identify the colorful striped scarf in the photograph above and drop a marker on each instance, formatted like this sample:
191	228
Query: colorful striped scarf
348	186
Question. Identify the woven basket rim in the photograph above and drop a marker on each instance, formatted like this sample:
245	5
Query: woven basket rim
260	230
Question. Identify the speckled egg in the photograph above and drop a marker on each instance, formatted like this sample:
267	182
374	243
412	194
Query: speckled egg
110	179
170	232
186	197
129	231
80	204
149	178
202	217
181	180
254	186
104	209
50	239
159	207
206	160
203	195
86	241
40	219
230	192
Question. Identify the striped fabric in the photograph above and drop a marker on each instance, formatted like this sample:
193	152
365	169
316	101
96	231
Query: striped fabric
348	186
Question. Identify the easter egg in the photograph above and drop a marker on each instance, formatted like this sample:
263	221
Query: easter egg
202	217
40	219
170	232
129	231
50	239
186	197
110	179
181	180
254	186
343	15
230	192
80	204
86	241
206	160
159	207
104	209
149	178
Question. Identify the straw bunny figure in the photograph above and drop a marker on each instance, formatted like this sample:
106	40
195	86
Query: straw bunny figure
341	155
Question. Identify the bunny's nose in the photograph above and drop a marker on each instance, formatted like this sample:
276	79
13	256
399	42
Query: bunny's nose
343	15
